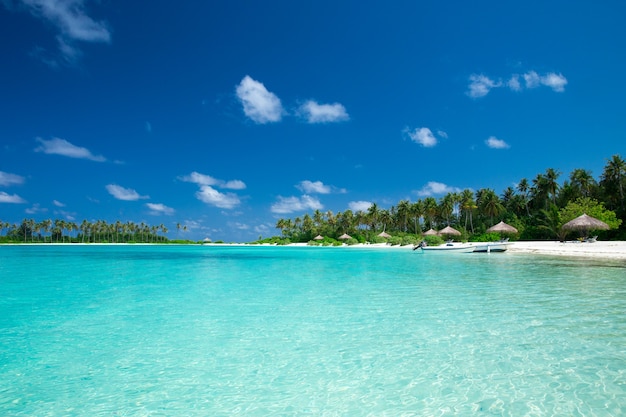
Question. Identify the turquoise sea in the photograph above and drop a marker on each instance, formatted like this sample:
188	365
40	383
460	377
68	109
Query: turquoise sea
299	331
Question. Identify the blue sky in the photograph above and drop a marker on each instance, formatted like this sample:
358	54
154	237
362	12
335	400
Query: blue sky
225	116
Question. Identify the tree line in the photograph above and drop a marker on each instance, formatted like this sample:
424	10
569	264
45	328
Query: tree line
100	231
537	208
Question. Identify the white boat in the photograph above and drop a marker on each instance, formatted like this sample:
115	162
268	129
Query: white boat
490	246
450	247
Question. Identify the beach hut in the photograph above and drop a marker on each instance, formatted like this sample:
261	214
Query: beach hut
318	237
584	224
449	231
430	232
345	236
502	228
384	235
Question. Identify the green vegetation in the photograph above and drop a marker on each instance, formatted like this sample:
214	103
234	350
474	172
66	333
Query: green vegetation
537	209
60	231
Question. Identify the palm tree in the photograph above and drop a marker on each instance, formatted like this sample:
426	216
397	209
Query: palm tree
404	209
583	181
468	205
490	204
446	207
430	210
523	187
417	212
613	177
372	215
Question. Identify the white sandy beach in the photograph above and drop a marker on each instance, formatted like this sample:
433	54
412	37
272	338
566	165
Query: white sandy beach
599	249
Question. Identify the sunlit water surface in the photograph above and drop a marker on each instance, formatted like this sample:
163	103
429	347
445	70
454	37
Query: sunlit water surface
287	331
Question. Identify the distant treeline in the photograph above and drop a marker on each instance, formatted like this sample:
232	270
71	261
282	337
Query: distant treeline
62	231
537	208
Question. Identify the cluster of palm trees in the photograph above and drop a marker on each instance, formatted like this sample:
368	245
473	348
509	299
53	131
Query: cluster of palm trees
532	206
62	231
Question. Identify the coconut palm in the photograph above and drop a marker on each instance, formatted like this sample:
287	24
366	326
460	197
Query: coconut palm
404	210
489	204
468	205
613	177
430	210
417	212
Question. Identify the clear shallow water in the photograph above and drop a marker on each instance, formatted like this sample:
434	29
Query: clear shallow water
263	331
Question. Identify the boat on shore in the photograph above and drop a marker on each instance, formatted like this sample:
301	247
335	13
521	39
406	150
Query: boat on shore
489	247
449	247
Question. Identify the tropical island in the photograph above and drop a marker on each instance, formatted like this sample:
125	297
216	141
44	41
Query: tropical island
537	208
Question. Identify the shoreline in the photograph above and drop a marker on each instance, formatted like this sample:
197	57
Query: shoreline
614	250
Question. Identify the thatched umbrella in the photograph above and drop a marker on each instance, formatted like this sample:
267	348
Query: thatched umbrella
585	223
345	236
502	228
318	237
384	234
449	231
430	232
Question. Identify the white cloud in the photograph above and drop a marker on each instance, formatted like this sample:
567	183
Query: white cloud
239	226
58	203
202	179
7	179
424	136
359	205
259	104
514	83
532	79
234	185
15	199
323	113
126	194
556	82
496	143
158	208
35	209
315	187
480	85
211	196
293	204
57	146
73	24
436	188
442	134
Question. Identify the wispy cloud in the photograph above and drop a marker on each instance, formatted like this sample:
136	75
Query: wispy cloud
259	104
203	179
436	188
36	209
57	146
211	196
480	85
8	179
314	112
73	24
58	203
158	209
13	199
424	136
496	143
126	194
286	205
359	205
318	187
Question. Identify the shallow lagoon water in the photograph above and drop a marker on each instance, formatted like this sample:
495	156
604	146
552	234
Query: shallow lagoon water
287	331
